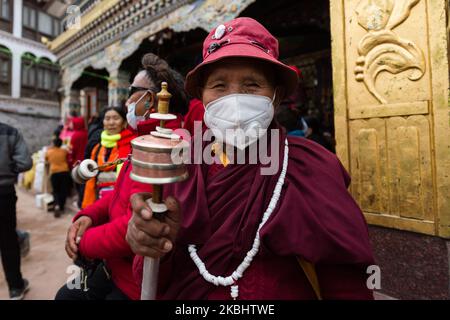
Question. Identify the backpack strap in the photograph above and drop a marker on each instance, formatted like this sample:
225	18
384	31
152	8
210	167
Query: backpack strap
311	275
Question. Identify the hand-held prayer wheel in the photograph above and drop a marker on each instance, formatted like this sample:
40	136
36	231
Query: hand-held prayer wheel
85	170
152	156
153	163
88	169
152	159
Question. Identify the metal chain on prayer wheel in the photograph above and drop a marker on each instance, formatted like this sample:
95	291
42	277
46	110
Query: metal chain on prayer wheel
153	164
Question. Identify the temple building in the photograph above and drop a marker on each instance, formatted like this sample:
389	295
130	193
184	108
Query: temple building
29	72
374	72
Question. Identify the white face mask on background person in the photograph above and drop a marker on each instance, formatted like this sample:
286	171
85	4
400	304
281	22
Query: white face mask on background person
132	118
239	119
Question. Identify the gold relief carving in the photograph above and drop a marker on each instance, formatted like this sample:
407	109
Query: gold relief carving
383	50
391	166
368	151
369	174
408	148
390	110
409	153
410	204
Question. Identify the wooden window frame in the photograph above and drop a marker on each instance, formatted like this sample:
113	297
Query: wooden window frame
34	33
5	87
36	91
7	25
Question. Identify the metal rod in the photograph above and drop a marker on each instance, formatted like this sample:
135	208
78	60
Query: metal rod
157	193
151	265
150	279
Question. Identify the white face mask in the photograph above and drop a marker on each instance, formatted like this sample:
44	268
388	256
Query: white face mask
239	119
132	118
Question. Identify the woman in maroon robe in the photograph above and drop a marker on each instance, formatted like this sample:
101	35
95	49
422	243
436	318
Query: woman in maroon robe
312	240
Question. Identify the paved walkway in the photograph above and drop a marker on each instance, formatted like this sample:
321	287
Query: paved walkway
45	265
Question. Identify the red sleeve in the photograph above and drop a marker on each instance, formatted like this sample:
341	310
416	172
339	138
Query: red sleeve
98	211
108	240
124	144
78	142
124	150
70	159
72	155
343	282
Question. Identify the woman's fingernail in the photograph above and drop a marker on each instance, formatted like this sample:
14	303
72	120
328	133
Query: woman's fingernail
167	246
166	230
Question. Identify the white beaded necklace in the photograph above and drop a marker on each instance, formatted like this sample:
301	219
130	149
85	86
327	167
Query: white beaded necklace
238	273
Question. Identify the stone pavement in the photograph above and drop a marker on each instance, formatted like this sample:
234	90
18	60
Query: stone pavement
45	265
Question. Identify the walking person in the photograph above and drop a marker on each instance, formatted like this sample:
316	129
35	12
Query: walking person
78	143
59	175
14	158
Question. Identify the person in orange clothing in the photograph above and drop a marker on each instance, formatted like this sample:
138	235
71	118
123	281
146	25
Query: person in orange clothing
59	174
115	144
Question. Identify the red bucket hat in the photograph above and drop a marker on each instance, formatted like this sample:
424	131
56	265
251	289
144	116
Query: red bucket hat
241	37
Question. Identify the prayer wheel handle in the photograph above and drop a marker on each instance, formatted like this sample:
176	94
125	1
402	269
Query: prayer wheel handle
163	101
163	108
153	164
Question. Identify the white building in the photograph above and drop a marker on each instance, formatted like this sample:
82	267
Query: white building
29	73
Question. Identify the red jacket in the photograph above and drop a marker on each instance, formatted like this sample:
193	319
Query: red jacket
106	238
124	144
78	141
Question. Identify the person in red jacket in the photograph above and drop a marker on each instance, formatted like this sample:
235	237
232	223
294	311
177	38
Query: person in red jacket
77	145
78	140
98	231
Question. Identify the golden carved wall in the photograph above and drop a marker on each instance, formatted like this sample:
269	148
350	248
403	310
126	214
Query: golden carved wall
390	73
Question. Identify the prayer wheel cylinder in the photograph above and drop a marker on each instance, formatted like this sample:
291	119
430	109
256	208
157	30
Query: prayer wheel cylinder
152	160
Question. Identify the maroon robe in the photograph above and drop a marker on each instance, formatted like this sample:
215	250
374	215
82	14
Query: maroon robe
316	219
